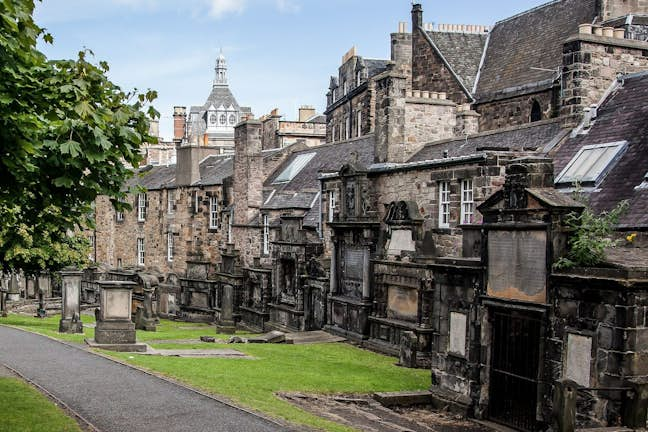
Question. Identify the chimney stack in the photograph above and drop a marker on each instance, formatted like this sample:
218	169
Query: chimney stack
417	16
306	112
179	123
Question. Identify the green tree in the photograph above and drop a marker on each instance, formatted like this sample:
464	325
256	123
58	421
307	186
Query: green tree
68	134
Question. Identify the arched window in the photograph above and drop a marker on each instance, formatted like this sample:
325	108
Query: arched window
536	111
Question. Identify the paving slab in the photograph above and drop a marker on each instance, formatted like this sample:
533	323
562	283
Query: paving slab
116	398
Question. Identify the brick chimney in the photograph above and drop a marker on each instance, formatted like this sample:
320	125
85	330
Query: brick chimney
401	50
179	122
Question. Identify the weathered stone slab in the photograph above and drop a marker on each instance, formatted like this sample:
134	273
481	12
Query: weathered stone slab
579	357
270	337
404	398
312	337
126	347
194	353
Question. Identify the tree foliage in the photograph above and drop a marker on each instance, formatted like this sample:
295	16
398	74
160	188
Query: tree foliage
68	134
591	235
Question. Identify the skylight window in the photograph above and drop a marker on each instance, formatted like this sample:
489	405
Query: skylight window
294	168
644	183
591	164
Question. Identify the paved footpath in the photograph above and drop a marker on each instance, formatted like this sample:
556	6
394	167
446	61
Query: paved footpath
114	397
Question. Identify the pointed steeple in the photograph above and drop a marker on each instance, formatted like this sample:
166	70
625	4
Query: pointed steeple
221	70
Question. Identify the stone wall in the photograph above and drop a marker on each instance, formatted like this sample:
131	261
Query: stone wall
616	8
116	241
426	120
516	110
248	171
591	64
362	101
429	72
422	187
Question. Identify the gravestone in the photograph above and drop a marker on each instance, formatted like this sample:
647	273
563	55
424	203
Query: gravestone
3	302
71	307
226	323
145	316
408	350
115	330
40	312
13	293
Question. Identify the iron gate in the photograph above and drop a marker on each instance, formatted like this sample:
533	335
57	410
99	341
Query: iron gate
515	369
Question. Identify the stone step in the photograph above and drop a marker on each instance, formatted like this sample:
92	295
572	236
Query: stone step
312	337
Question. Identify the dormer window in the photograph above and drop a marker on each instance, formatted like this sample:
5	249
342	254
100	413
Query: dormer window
591	164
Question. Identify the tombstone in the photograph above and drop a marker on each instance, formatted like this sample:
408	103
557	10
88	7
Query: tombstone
226	323
40	312
115	330
71	304
14	291
3	302
145	317
45	284
408	350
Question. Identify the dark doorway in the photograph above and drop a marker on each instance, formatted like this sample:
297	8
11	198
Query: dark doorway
515	368
536	111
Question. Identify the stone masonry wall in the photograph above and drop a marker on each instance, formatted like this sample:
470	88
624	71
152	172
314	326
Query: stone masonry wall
591	64
422	187
192	238
429	72
515	111
427	120
336	119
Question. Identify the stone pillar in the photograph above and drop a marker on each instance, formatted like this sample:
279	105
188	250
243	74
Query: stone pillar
40	312
636	407
564	406
45	284
14	292
71	310
3	302
366	276
333	276
114	325
226	323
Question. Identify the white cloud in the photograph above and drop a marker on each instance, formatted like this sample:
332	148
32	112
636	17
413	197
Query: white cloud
220	8
288	6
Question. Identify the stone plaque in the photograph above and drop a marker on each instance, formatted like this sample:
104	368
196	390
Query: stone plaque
199	300
354	263
458	326
117	304
402	303
71	298
578	360
517	265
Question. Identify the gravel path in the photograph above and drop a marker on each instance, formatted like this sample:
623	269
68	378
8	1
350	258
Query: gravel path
114	397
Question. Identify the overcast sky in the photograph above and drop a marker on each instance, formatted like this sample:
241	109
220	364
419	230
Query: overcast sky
280	53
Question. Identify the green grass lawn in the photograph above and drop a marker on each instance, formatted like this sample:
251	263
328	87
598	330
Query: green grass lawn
24	409
318	368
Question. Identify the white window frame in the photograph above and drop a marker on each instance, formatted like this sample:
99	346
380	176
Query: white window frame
196	202
444	204
119	216
213	212
141	207
563	178
467	201
332	205
92	240
266	235
229	225
345	87
358	78
170	245
171	202
359	123
140	251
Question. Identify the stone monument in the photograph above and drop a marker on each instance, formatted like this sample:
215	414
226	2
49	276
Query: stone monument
115	330
226	322
14	291
3	302
71	307
145	316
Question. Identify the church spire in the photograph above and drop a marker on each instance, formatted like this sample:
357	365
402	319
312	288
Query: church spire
221	70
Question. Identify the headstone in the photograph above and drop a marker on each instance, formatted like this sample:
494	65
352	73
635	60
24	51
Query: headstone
71	310
458	327
564	406
408	350
115	330
14	291
226	324
270	337
579	356
45	284
3	302
40	312
145	317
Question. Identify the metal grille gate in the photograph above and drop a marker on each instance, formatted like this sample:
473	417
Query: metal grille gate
515	369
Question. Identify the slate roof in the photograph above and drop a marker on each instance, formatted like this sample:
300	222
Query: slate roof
213	171
220	95
463	51
375	66
531	39
530	137
302	190
622	117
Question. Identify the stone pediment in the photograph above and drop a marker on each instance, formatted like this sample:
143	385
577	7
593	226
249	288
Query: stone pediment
403	213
